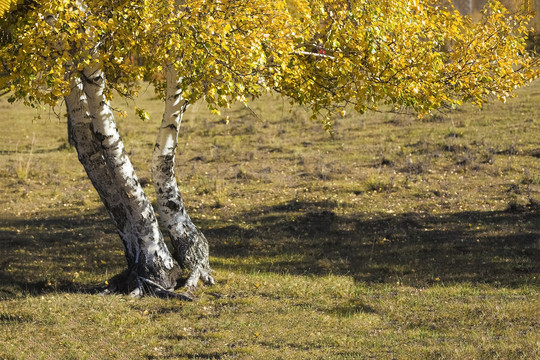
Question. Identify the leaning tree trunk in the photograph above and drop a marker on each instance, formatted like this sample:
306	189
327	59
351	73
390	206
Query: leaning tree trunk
190	245
94	164
153	264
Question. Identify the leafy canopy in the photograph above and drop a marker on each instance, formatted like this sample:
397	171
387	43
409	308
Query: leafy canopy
8	5
322	53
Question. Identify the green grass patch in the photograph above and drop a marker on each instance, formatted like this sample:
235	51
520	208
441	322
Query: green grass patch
395	238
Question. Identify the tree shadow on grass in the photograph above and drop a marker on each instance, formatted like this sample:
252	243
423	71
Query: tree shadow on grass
499	248
49	254
492	247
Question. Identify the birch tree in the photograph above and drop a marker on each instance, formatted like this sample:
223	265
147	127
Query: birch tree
326	55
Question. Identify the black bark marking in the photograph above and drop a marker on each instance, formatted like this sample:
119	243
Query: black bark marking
173	205
120	216
101	137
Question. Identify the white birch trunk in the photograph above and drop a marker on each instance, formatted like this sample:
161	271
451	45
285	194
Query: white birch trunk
190	245
94	164
154	263
101	151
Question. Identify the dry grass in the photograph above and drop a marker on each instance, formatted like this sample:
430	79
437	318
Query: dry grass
395	238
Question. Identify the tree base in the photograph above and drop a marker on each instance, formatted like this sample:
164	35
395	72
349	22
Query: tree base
199	273
129	282
191	252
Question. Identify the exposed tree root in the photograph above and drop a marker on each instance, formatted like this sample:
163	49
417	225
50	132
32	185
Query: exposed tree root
147	286
199	273
129	282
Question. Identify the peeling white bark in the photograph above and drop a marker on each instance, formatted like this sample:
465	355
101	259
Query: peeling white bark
190	245
94	164
153	259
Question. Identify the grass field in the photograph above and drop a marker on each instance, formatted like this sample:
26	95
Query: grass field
395	238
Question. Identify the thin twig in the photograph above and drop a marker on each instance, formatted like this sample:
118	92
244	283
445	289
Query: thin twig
300	52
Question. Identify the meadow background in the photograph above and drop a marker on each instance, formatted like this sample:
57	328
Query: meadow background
393	238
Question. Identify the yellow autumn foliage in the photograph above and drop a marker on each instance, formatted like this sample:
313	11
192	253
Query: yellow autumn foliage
322	53
7	5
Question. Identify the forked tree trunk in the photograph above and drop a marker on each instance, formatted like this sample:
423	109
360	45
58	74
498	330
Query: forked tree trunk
153	263
92	129
190	245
